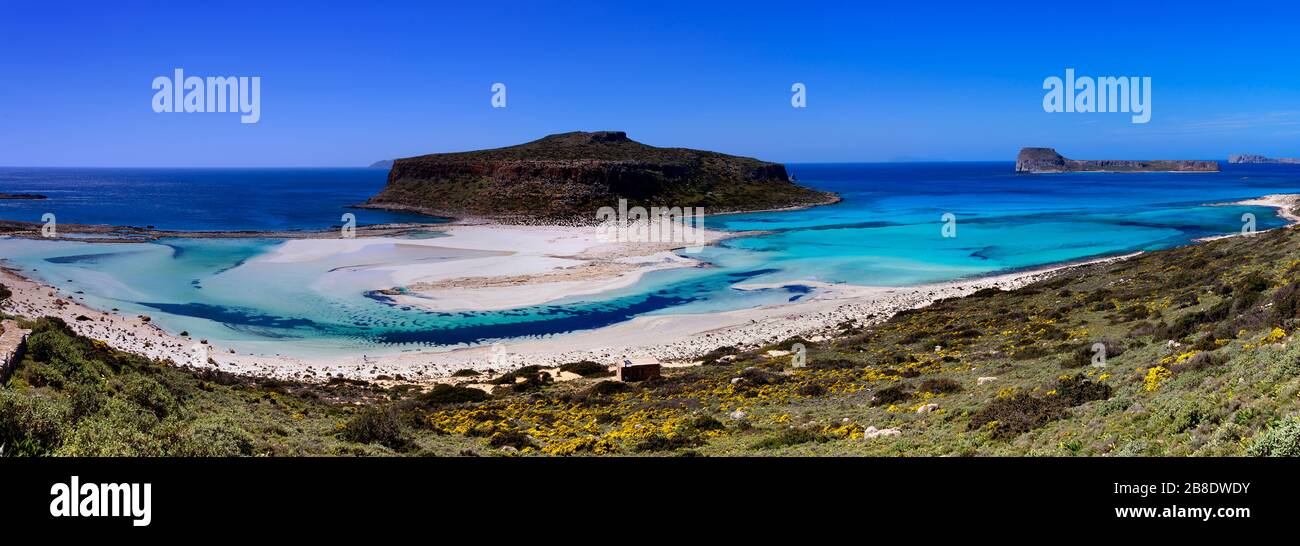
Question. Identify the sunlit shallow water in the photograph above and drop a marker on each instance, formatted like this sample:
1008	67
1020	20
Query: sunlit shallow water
887	232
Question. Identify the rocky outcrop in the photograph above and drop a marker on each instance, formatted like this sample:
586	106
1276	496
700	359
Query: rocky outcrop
1252	158
1046	160
21	196
570	176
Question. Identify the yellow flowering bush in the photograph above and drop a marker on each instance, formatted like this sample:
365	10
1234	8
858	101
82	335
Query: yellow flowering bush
1156	376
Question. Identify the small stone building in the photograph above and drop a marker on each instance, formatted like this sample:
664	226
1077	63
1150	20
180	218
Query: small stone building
637	369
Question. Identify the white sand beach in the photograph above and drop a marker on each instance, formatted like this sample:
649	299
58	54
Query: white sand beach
487	267
678	338
498	266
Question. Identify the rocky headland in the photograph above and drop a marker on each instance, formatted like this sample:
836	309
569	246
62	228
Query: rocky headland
1047	160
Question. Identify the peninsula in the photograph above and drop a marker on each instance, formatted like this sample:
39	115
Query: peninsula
567	177
1047	160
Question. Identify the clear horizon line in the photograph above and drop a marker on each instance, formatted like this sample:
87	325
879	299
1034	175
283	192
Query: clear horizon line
377	168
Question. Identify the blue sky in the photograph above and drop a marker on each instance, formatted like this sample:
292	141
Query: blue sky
347	83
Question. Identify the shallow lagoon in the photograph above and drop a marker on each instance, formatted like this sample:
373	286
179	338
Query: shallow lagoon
886	232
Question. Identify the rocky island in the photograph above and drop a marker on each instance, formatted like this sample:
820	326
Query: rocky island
1253	158
568	176
21	196
1047	160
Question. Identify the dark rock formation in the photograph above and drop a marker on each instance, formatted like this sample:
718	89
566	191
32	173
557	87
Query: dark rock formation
1252	158
21	196
570	176
1046	160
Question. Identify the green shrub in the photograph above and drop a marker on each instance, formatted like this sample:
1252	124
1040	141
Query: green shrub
41	374
659	442
1202	361
790	437
30	425
511	438
120	430
811	389
1135	312
451	394
834	364
51	346
1014	415
586	368
704	423
1185	415
1077	390
377	425
892	394
1284	364
715	356
1280	440
1191	322
513	376
606	388
147	393
214	437
1019	413
753	376
524	379
1083	354
86	399
1286	303
939	386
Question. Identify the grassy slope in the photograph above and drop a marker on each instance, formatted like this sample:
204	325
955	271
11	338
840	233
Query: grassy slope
1212	320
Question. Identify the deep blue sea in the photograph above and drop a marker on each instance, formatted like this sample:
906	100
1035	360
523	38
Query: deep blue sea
886	232
198	199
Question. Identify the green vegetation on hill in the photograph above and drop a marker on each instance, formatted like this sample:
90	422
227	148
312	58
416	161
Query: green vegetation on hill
74	396
1200	360
569	176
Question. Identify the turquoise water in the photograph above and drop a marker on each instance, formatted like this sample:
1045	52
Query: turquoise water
886	232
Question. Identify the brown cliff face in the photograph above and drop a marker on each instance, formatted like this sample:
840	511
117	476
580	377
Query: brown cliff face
570	176
1046	160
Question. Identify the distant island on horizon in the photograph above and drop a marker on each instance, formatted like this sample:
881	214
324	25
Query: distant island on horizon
1047	160
568	176
1259	159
